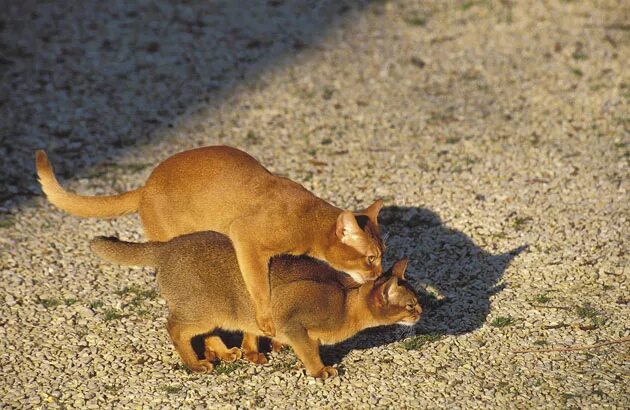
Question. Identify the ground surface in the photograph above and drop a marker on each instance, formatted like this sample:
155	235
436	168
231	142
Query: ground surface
497	132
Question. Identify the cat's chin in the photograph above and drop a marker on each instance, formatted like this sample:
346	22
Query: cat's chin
406	323
356	277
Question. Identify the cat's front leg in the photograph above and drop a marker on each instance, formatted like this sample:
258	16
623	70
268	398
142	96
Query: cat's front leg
254	266
276	346
250	349
307	350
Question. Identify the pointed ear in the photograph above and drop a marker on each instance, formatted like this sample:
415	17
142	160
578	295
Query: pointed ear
372	211
388	289
400	267
347	228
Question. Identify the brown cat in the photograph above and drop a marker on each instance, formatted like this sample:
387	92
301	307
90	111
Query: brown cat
199	277
224	189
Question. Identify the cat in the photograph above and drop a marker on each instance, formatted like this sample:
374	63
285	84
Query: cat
223	189
198	276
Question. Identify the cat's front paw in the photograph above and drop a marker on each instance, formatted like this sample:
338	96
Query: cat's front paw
230	355
256	357
326	372
210	355
202	366
266	325
276	346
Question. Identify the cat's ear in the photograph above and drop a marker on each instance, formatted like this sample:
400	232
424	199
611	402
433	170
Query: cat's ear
400	267
389	289
372	211
348	230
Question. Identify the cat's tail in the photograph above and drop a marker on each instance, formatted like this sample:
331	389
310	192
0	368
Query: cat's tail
87	206
114	250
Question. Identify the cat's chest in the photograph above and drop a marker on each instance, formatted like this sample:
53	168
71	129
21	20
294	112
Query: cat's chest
332	336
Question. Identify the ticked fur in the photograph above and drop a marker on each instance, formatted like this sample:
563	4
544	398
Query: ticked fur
225	190
199	277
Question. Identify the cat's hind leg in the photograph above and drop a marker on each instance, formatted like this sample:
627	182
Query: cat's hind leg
214	347
250	349
181	333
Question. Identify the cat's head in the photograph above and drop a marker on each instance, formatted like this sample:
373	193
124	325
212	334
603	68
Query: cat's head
393	300
356	247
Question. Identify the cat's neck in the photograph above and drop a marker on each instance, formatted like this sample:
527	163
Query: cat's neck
322	221
358	315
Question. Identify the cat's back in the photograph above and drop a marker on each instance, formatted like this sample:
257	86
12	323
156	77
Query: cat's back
207	162
199	272
314	305
196	249
234	176
292	268
195	259
206	189
307	290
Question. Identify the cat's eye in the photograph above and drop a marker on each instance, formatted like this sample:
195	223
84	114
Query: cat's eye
410	307
371	259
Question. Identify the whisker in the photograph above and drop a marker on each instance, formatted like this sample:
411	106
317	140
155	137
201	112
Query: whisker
403	332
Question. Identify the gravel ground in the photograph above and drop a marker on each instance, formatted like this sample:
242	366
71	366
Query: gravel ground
496	131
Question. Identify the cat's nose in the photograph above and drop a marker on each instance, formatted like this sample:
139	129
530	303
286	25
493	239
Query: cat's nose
375	274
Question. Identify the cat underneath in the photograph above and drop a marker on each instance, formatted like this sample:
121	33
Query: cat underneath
312	304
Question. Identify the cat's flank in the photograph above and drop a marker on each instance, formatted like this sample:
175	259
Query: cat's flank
224	189
198	275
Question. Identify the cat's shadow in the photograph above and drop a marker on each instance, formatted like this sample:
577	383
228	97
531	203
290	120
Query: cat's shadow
444	258
439	256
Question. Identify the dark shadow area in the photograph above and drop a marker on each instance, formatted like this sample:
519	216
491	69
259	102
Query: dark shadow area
93	80
231	339
441	257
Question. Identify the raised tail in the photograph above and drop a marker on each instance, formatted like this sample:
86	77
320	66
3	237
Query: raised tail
126	253
87	206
